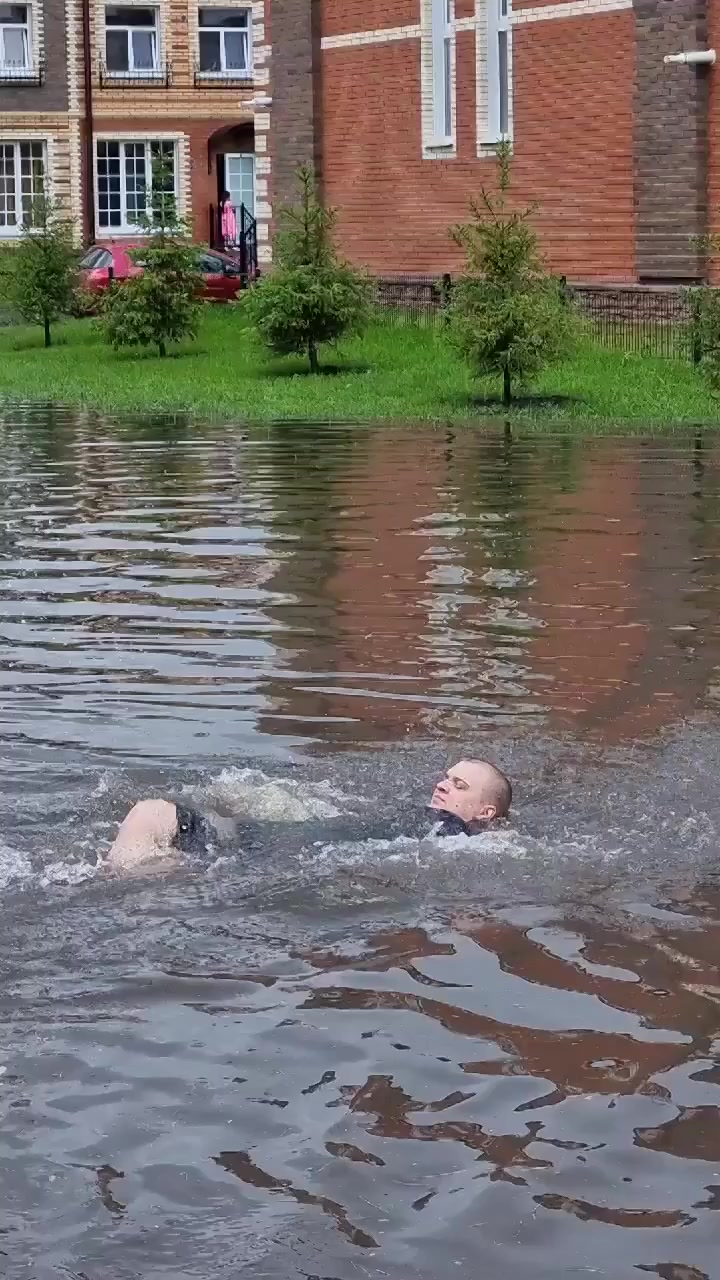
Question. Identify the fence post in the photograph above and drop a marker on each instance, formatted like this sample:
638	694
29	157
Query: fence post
446	290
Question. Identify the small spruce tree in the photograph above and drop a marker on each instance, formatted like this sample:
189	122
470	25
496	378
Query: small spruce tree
703	303
507	316
39	276
161	305
310	297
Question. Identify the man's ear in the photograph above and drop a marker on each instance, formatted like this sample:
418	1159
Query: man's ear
487	813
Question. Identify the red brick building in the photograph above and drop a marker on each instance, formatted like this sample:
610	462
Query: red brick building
610	141
398	104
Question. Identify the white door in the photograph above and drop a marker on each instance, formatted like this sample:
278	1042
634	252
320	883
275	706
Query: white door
240	179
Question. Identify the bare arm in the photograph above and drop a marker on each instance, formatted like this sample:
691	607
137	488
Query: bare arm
145	835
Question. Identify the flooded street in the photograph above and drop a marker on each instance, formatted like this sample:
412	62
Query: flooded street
338	1056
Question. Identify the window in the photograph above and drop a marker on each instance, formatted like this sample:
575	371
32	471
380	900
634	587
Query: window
14	37
498	71
131	40
224	42
125	181
22	179
442	69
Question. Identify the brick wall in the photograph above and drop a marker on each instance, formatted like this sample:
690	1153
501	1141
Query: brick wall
671	134
713	169
48	46
293	88
573	126
339	16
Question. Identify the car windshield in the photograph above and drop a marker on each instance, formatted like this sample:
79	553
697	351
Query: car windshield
96	258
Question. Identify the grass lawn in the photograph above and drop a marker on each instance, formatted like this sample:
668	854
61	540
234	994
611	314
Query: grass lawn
394	371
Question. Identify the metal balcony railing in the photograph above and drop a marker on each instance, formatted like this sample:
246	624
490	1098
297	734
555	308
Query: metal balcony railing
222	79
158	78
16	74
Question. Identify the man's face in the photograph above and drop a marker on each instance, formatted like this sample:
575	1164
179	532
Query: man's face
463	792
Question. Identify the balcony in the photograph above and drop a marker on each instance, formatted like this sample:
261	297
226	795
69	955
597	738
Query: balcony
159	78
223	79
13	74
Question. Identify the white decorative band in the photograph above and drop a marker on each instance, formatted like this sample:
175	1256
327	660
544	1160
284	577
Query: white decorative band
384	36
521	18
569	9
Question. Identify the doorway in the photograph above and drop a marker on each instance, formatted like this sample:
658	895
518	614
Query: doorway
240	179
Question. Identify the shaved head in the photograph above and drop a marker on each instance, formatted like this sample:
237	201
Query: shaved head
475	791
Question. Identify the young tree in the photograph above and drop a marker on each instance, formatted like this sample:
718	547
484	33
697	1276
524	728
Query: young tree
39	277
508	316
310	297
161	305
703	304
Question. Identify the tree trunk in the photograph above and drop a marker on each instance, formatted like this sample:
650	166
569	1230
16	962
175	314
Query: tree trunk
507	388
48	339
162	350
313	356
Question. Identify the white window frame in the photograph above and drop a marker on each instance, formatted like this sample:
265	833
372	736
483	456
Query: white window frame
442	31
26	26
12	233
499	30
225	73
149	73
132	228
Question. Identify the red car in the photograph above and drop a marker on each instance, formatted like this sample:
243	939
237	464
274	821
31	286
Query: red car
222	280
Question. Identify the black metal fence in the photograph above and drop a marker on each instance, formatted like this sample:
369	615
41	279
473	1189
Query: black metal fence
640	319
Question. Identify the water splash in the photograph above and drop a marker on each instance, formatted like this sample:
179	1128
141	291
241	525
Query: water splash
252	793
15	866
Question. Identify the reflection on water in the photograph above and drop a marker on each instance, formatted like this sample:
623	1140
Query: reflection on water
344	1058
189	591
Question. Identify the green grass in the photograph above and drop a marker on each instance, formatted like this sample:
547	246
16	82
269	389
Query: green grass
400	372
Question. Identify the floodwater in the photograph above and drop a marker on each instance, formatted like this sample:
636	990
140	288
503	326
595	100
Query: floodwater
332	1058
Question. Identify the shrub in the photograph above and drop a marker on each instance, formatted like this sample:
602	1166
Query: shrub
161	305
508	316
310	297
38	277
704	305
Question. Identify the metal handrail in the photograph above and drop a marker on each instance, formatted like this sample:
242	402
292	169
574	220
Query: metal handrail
244	243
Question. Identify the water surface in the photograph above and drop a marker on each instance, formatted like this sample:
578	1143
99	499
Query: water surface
345	1058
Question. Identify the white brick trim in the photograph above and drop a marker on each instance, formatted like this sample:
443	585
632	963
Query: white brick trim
385	35
570	9
538	13
37	32
262	78
74	45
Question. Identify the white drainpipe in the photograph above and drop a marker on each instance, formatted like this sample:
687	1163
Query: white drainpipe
698	58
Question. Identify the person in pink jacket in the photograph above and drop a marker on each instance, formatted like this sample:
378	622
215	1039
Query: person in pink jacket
228	221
